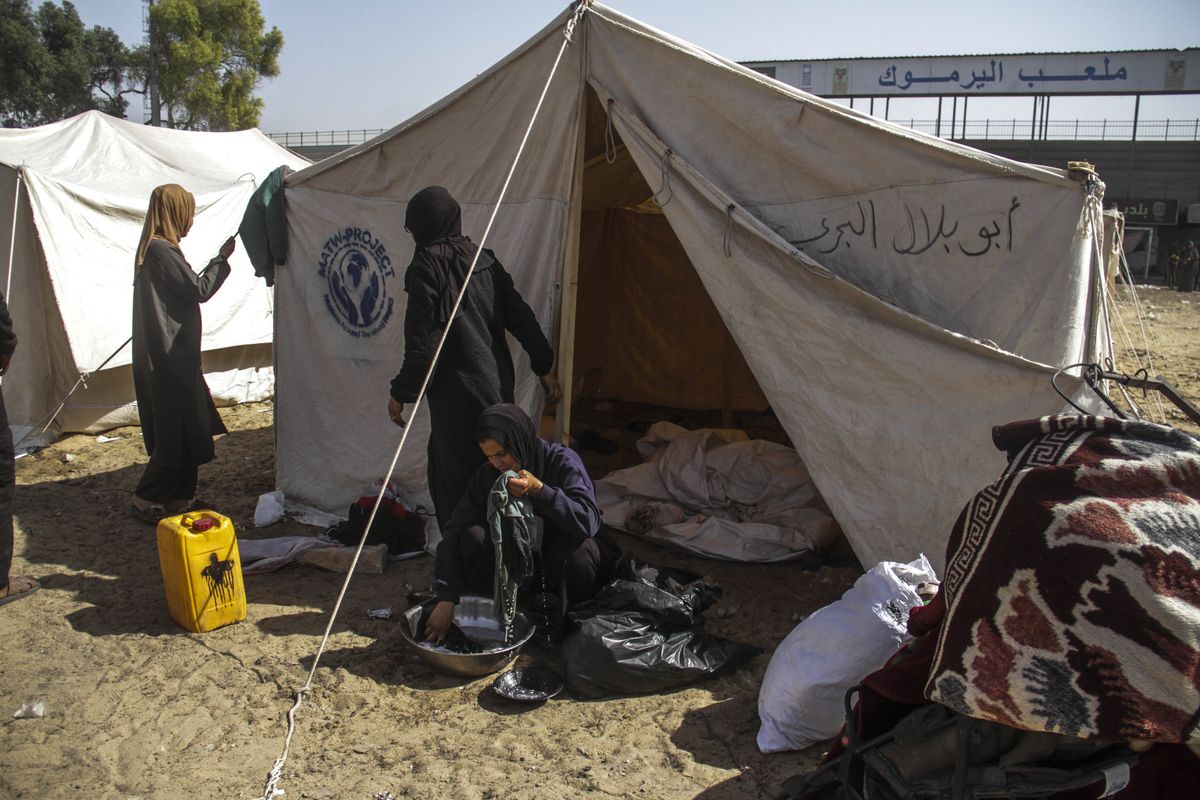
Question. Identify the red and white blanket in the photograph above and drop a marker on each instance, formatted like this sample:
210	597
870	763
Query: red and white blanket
1072	586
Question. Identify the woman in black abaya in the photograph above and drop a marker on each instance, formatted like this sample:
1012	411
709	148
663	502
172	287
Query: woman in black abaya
475	369
177	413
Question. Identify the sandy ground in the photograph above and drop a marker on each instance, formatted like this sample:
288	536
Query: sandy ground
137	708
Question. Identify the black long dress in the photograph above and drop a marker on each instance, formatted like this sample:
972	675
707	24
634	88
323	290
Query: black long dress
8	476
475	370
176	410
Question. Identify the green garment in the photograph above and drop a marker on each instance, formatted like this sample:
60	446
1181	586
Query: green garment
264	226
516	534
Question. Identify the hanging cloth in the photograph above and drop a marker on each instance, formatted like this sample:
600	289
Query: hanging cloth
516	534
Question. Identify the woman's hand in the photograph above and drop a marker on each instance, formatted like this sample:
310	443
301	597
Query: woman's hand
525	483
396	411
227	248
439	622
552	388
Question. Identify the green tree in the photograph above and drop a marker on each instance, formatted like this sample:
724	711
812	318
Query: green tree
87	67
52	66
23	61
208	57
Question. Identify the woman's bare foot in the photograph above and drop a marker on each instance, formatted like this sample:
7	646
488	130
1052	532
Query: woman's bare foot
18	587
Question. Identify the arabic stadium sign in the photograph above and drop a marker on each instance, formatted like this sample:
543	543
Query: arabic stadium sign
1117	72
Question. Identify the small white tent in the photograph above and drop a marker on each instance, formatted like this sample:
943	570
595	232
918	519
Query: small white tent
73	196
695	234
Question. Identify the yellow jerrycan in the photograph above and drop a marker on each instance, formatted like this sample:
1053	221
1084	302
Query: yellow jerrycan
201	569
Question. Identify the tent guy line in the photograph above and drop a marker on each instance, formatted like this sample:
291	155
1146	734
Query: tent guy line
83	376
276	773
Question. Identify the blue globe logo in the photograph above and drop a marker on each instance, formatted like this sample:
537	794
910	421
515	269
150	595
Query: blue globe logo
356	289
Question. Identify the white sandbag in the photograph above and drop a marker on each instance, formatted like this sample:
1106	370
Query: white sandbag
802	699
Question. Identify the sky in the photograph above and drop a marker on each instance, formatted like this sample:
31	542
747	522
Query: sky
355	64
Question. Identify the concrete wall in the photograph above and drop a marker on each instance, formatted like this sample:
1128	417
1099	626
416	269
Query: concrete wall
1150	170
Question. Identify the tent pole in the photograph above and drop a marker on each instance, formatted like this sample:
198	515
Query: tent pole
12	238
570	277
12	244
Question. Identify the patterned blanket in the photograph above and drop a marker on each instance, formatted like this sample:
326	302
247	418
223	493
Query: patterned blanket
1072	586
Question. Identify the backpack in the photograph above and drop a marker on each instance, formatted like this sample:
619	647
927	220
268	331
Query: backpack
400	529
937	754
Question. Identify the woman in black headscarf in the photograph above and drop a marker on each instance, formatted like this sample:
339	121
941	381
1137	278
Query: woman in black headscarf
475	369
576	558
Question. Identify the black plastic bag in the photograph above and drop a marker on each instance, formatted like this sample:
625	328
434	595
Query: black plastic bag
637	653
643	632
935	753
672	595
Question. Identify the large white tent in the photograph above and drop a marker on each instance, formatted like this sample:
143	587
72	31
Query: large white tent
73	195
697	235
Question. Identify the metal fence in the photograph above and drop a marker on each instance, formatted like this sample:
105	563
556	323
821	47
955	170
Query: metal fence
1150	130
325	138
1156	130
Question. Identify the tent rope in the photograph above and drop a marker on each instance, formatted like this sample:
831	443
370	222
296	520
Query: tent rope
610	140
666	180
53	415
1113	313
1095	216
1147	339
271	790
727	239
1094	210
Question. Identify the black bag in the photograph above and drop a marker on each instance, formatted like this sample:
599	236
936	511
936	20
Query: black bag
400	529
643	632
936	754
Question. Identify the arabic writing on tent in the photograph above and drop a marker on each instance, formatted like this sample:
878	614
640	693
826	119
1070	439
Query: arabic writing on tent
918	230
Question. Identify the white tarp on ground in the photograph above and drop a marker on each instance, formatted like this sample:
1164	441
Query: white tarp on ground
890	295
81	188
718	493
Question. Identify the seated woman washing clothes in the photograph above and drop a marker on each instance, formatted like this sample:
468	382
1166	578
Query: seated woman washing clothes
576	558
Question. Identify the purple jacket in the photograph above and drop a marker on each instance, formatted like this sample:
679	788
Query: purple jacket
566	505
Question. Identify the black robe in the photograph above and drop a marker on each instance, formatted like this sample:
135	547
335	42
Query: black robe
475	370
177	412
8	476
